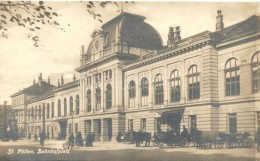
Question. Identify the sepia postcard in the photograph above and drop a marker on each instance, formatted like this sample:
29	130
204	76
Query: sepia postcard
129	81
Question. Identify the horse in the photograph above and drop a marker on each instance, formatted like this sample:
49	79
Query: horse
139	137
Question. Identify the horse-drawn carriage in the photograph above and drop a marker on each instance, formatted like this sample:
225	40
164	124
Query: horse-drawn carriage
169	138
137	137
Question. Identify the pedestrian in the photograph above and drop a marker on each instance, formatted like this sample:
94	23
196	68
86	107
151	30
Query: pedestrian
29	136
71	141
257	139
78	139
89	140
48	135
118	138
42	137
185	132
35	137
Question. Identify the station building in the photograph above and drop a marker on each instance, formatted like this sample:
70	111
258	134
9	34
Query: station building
129	80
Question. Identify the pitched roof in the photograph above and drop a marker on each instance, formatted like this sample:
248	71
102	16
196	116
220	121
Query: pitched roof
249	25
35	89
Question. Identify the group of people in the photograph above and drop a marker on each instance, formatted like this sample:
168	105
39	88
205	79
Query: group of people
78	140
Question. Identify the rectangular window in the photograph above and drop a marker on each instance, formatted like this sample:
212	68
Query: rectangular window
108	74
97	78
193	122
232	123
130	125
89	80
258	119
143	125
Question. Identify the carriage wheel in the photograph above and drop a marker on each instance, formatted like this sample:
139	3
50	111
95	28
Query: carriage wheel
219	144
239	143
161	145
65	145
248	143
184	143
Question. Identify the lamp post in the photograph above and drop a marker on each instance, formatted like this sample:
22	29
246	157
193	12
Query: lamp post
72	112
5	121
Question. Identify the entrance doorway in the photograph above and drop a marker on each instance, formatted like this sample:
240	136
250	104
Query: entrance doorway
63	125
172	120
109	121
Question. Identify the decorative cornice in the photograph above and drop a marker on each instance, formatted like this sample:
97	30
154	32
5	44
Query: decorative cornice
67	86
114	56
185	46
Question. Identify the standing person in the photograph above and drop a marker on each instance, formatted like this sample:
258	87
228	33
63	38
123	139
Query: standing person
35	137
29	136
257	139
42	137
80	139
71	140
48	135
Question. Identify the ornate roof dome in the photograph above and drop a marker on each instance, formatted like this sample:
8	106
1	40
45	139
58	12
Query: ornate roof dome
126	28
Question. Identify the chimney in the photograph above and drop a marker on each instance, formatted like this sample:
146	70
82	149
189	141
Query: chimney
62	80
74	78
170	41
220	23
49	81
58	82
40	79
177	34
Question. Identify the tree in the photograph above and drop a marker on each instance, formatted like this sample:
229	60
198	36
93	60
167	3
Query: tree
32	15
27	14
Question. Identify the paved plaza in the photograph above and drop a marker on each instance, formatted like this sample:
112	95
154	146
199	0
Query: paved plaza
127	151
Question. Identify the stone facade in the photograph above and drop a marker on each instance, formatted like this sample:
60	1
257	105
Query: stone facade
130	81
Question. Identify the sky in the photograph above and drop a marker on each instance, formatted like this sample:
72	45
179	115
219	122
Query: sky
21	62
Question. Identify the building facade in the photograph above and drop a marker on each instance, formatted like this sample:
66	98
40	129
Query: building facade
130	81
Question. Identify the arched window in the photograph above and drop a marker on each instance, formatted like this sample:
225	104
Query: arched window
108	96
52	109
71	105
132	89
32	113
77	104
89	100
40	112
48	110
36	113
175	86
158	90
65	107
256	73
232	77
59	108
144	87
193	83
98	99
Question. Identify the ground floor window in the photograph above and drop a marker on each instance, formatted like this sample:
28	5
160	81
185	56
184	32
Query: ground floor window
157	124
76	127
143	125
232	123
193	122
131	125
258	119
